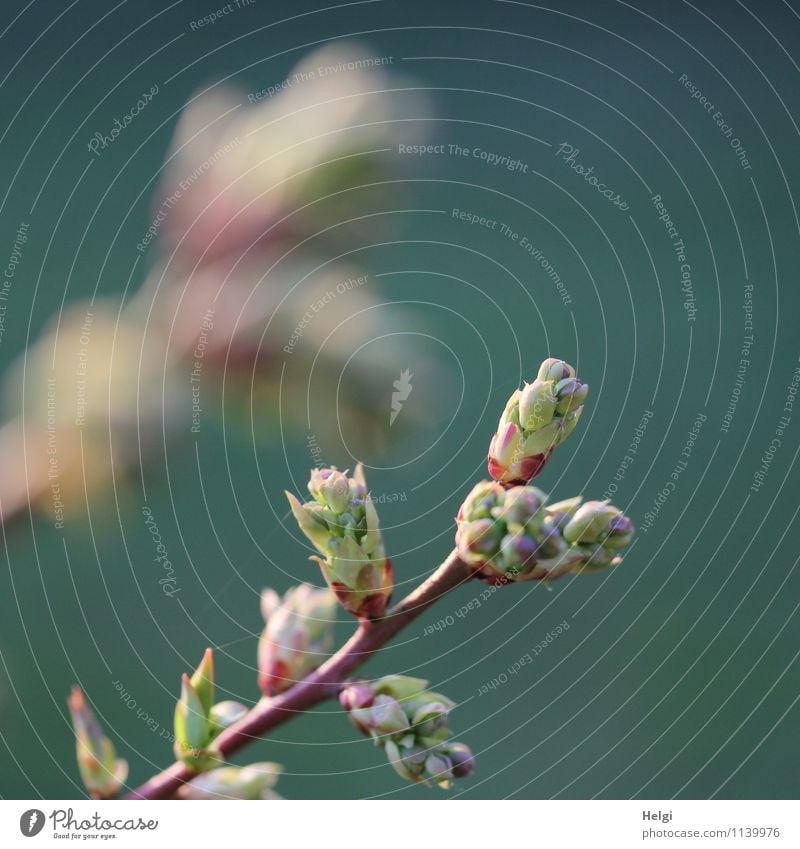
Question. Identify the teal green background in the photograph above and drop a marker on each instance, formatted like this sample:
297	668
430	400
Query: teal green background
678	675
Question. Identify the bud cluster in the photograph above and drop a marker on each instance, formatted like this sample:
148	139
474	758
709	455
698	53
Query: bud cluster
297	637
101	771
254	781
342	523
198	721
410	723
537	417
513	535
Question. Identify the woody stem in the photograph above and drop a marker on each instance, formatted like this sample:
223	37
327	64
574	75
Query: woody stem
324	683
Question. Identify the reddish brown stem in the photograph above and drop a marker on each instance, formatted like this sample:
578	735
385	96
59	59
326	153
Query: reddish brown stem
323	684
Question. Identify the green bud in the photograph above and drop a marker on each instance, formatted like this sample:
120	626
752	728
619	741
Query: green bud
537	405
400	687
315	529
192	730
331	488
535	420
526	540
203	681
410	723
101	771
555	370
343	525
383	717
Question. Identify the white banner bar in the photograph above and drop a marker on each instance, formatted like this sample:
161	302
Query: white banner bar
402	825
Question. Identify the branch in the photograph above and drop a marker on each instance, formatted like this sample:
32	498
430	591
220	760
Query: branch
322	684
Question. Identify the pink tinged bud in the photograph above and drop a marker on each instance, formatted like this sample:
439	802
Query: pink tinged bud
506	446
555	370
537	405
270	602
330	487
355	696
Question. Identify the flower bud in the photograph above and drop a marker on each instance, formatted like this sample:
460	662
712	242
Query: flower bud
461	757
410	723
196	720
383	716
233	782
342	524
297	637
535	420
356	695
525	540
101	771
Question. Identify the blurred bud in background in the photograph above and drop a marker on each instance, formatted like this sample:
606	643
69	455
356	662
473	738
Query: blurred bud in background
101	771
242	303
254	781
